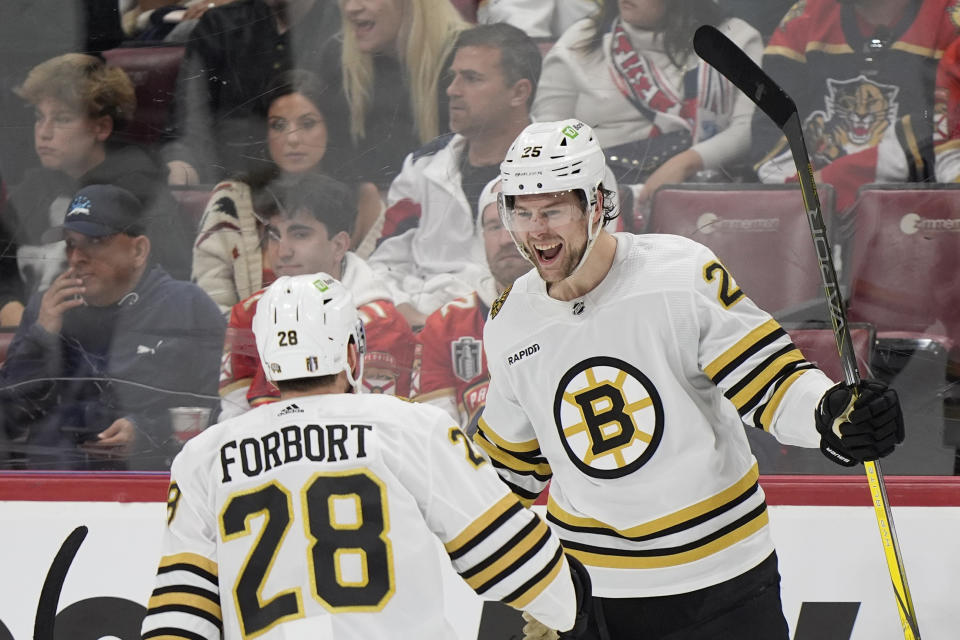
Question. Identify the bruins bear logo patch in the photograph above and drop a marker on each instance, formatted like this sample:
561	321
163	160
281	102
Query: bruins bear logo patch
498	303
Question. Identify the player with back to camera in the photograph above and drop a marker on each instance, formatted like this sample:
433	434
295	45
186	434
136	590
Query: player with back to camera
625	368
318	514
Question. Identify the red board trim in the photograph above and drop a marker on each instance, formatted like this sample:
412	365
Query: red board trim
905	491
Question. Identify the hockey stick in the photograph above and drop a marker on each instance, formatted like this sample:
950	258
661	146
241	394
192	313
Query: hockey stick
717	50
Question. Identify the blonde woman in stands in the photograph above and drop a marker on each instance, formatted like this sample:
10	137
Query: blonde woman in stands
388	65
228	253
81	106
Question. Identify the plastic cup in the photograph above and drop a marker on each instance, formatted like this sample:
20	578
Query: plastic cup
188	421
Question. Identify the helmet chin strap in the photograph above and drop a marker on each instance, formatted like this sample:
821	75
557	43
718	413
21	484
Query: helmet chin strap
591	238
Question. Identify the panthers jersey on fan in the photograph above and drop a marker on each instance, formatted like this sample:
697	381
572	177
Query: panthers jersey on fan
323	517
634	399
864	92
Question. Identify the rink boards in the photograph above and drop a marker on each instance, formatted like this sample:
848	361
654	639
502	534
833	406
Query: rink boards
835	581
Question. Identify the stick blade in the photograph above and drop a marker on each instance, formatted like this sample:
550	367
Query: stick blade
720	52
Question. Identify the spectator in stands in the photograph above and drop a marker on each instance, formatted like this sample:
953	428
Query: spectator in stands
228	252
542	20
452	371
862	74
946	110
660	113
387	66
80	103
109	347
308	231
234	53
429	253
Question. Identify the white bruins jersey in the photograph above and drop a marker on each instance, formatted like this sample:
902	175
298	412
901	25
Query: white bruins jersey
633	399
319	517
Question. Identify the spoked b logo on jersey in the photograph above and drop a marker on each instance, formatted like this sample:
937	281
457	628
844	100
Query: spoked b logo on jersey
608	415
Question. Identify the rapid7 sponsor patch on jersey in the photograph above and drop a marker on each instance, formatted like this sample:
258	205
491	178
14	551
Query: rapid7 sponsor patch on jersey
523	353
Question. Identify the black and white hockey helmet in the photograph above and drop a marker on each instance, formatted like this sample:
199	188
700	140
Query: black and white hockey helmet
553	157
303	327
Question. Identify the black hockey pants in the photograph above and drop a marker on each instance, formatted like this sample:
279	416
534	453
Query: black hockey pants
746	607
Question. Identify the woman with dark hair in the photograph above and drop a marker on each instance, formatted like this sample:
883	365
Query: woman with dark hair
660	113
228	254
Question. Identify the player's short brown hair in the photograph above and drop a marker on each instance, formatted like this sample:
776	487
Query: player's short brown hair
84	83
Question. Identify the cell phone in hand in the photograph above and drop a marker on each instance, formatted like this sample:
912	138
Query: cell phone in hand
80	433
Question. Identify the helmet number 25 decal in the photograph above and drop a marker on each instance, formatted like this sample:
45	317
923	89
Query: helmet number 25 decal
609	417
531	152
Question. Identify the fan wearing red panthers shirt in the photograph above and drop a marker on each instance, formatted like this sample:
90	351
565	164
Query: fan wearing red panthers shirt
309	232
862	73
452	370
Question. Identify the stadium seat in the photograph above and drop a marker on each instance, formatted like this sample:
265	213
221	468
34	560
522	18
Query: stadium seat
759	232
153	71
904	274
905	259
819	346
192	201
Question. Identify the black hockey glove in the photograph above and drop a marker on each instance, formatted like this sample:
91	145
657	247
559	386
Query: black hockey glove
854	430
585	615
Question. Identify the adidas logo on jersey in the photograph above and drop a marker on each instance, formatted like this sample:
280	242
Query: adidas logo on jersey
291	409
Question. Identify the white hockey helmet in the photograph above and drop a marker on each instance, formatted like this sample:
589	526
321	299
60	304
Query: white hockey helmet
553	157
303	327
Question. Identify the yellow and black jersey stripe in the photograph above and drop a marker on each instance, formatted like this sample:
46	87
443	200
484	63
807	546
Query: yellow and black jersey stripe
186	601
599	556
508	554
755	372
689	534
520	465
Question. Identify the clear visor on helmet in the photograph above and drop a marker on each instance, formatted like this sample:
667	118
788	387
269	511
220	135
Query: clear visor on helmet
531	213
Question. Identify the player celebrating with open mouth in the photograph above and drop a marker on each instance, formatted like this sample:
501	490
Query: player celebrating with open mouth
625	368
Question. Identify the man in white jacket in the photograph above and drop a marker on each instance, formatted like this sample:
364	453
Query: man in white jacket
428	253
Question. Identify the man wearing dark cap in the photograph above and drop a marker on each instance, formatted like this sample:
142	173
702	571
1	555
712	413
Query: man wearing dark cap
114	343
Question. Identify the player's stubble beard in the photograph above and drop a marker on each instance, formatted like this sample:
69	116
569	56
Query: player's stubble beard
568	265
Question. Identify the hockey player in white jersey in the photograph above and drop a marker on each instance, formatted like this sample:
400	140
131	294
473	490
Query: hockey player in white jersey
625	367
319	516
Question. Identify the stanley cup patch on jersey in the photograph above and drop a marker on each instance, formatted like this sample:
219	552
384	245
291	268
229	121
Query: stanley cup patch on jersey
467	354
609	417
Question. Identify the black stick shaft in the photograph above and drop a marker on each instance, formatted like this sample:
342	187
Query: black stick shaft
818	230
